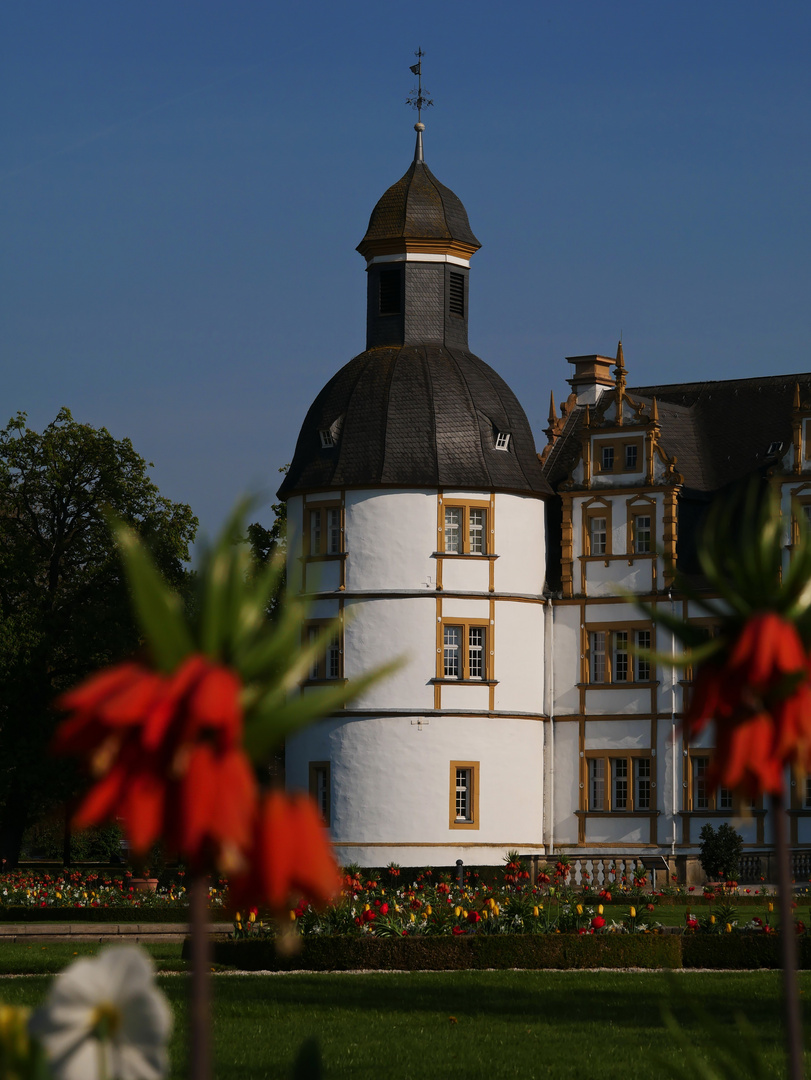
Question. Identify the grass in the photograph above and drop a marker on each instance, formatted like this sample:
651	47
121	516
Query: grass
22	959
561	1025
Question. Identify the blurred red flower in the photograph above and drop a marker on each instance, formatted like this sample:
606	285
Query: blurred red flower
759	697
291	856
598	922
166	757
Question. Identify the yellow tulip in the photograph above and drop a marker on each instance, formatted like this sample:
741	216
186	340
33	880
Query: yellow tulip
253	916
599	909
579	909
484	913
59	895
712	919
495	909
428	909
425	915
238	917
633	912
412	917
457	911
292	916
771	908
366	907
535	911
728	928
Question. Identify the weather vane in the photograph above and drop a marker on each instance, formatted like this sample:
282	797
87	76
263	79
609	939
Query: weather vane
419	99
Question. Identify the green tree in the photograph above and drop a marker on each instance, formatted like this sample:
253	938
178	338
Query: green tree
720	853
64	607
269	544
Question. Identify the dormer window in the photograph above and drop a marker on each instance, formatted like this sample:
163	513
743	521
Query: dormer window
631	455
774	448
502	440
327	441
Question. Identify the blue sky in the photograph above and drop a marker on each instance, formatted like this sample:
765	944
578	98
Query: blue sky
182	186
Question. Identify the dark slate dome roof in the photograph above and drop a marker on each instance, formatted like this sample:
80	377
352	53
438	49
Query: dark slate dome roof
418	207
420	416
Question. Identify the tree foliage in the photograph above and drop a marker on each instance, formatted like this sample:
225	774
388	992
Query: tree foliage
64	607
720	854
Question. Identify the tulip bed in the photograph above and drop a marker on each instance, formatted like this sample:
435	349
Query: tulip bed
74	893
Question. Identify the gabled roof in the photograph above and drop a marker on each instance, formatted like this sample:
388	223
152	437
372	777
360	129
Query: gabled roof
719	431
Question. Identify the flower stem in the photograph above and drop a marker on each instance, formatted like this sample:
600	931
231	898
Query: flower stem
788	940
200	1011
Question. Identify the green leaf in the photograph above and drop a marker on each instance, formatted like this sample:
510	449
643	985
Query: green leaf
158	607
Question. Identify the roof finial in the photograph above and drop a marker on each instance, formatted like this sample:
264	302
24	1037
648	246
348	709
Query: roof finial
419	100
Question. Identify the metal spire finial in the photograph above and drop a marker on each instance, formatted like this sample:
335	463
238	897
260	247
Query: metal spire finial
418	99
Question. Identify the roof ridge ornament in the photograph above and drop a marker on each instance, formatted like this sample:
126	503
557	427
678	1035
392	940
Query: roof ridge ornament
419	100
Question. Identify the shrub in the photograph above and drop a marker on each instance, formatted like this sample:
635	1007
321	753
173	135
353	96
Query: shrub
720	853
562	951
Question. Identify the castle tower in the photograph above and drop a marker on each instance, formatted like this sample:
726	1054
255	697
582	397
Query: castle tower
415	505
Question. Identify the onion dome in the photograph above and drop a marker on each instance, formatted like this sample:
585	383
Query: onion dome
419	214
423	416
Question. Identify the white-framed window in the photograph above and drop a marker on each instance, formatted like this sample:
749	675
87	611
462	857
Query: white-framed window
502	440
327	440
619	783
613	656
465	529
607	459
465	653
325	534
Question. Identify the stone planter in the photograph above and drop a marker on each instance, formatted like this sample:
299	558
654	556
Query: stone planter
144	884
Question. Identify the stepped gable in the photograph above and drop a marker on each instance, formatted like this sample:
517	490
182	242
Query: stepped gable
420	416
720	431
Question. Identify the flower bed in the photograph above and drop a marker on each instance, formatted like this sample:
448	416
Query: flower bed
73	894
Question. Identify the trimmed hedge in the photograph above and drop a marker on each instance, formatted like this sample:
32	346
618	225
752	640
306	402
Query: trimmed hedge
470	952
20	914
736	951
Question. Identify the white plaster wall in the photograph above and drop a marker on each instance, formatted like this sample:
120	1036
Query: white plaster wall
618	700
519	669
390	538
747	827
611	613
665	754
803	830
466	575
617	830
455	607
381	630
324	576
567	782
520	543
390	781
463	696
619	734
566	659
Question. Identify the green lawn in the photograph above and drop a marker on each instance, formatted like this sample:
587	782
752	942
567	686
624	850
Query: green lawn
561	1025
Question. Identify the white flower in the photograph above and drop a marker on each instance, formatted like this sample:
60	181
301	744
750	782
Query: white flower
104	1019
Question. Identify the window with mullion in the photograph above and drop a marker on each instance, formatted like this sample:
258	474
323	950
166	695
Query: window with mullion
619	784
325	530
610	658
464	653
465	530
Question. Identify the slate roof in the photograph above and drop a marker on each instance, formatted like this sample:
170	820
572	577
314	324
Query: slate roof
420	416
720	431
418	207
